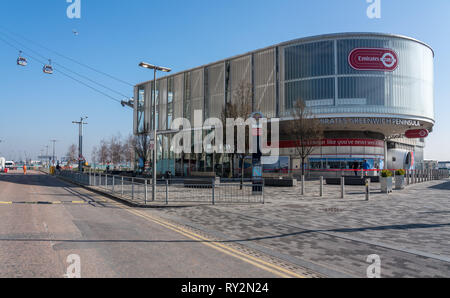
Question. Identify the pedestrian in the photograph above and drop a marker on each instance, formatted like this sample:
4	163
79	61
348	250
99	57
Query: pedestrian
355	168
366	166
24	169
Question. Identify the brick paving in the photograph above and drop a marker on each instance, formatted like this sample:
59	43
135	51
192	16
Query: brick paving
409	229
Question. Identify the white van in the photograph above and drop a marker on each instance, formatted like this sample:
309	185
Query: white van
10	165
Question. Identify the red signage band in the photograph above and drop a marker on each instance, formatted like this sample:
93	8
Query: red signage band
332	143
373	59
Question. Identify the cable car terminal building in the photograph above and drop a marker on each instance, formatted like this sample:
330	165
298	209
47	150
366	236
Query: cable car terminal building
367	89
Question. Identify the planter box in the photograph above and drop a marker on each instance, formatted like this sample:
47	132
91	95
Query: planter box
386	184
399	182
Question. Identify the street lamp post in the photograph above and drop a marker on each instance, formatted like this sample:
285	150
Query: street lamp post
80	142
46	158
163	69
53	156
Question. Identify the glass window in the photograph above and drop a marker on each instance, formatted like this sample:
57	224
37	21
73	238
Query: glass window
281	166
369	90
187	96
310	90
169	102
140	110
309	60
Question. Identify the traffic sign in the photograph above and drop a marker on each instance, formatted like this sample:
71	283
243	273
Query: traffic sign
257	171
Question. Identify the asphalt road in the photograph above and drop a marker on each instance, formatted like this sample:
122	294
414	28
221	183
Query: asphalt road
43	221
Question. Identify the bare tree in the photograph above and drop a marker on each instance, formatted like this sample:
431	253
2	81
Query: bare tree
94	155
141	146
115	150
239	107
72	154
128	150
306	131
103	152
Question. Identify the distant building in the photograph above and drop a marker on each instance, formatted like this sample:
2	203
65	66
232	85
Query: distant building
444	165
430	164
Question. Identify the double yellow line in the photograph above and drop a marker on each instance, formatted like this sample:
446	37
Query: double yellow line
276	270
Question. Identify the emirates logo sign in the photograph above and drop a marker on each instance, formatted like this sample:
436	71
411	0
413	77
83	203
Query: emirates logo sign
373	59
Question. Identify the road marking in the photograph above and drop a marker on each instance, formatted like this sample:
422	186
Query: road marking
43	203
255	261
222	248
277	270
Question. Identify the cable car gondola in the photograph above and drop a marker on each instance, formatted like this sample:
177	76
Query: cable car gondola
48	68
21	60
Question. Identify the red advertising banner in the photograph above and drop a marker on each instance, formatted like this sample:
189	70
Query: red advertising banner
373	59
334	142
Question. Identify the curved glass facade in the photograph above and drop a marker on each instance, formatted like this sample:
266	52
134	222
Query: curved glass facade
315	69
319	72
322	71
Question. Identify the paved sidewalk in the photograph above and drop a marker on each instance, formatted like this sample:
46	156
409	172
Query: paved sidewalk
409	229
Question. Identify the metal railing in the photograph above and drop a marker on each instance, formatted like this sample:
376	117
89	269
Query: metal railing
139	190
418	176
409	178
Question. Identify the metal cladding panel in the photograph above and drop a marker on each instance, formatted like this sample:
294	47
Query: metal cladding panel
281	90
343	149
162	92
140	109
178	96
148	106
214	99
308	74
197	90
328	150
372	150
264	82
307	60
135	130
240	73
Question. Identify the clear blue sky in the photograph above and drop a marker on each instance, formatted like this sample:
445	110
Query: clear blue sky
115	35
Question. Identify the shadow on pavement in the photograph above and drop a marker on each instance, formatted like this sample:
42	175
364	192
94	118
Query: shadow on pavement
32	178
442	186
391	227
